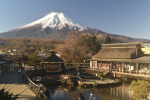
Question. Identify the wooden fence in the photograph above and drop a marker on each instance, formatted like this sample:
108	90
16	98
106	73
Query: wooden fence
39	90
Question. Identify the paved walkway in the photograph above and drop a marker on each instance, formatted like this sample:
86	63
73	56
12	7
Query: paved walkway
12	81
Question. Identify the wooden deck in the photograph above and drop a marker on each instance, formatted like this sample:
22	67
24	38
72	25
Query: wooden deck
134	76
99	82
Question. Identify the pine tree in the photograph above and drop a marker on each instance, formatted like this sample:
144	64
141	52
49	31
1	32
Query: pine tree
93	43
33	60
107	40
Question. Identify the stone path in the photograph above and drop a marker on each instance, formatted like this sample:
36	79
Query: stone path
12	81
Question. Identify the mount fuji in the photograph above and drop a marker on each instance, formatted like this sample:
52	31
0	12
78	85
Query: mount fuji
55	25
56	20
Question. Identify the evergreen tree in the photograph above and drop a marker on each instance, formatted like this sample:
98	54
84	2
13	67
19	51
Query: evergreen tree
95	45
92	43
34	60
107	40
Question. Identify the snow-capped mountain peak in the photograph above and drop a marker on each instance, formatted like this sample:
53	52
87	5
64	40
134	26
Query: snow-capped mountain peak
56	20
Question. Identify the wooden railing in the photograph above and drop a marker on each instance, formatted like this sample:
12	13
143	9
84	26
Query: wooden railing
39	90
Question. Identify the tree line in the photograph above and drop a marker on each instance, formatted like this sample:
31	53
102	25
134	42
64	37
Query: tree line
75	47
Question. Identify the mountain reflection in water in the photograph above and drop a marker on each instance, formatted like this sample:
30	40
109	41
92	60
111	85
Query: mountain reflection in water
120	92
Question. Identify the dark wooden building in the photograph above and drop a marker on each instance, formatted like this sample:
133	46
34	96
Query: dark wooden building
53	63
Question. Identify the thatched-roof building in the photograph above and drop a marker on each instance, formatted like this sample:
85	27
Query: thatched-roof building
53	63
118	51
121	57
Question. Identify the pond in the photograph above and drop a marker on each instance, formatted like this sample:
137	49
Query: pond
120	92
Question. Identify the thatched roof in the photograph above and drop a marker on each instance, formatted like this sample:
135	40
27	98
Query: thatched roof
108	60
115	53
134	44
119	51
122	53
144	59
52	58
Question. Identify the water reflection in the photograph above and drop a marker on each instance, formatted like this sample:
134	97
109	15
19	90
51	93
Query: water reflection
63	93
102	93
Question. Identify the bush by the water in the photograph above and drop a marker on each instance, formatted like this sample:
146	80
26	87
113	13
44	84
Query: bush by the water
139	89
105	75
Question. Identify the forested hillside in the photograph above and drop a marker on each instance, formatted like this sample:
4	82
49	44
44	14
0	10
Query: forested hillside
76	46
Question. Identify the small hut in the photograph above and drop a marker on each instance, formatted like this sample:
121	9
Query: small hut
4	64
53	63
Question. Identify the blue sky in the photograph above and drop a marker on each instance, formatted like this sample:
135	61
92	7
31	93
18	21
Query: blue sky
123	17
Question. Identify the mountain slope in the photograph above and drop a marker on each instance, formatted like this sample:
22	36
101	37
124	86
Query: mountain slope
56	20
56	26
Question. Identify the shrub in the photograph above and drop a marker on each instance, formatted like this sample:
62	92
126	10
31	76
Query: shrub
139	89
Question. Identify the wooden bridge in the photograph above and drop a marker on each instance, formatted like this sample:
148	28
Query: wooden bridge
90	81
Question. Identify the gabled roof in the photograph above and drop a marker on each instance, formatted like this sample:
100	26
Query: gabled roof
115	53
52	58
144	59
119	51
134	44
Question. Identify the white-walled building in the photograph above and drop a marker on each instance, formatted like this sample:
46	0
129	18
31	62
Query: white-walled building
145	47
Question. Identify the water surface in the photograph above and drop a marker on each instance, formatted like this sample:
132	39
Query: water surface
120	92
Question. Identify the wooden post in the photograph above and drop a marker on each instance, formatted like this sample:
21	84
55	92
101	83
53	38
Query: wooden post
117	67
123	67
137	68
110	67
130	68
99	66
149	68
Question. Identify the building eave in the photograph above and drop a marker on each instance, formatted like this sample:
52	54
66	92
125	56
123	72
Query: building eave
101	59
52	62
